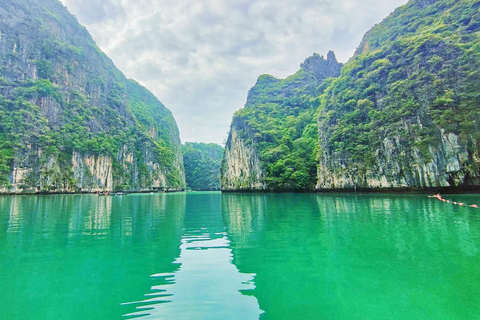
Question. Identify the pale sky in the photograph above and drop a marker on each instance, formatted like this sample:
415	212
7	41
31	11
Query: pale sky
200	57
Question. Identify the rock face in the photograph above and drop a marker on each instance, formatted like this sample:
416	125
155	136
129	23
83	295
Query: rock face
405	111
403	114
272	140
69	119
396	169
241	167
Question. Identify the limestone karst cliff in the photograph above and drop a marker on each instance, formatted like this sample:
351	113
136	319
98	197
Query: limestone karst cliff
405	113
241	169
271	144
69	119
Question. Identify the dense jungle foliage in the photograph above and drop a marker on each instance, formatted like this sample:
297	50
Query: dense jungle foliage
202	163
59	93
414	79
280	120
415	76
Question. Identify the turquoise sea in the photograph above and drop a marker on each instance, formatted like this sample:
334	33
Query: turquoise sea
208	255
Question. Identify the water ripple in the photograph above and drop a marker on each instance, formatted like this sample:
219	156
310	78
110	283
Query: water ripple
206	286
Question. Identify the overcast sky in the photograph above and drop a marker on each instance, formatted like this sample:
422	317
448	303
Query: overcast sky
200	57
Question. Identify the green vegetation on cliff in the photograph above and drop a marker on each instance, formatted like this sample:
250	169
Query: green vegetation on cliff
403	113
414	79
202	163
60	95
279	121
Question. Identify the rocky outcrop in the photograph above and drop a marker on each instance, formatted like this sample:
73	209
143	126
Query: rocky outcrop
267	149
399	168
69	119
404	113
241	169
92	173
86	173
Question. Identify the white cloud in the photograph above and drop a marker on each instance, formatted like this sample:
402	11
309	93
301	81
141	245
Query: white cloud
201	57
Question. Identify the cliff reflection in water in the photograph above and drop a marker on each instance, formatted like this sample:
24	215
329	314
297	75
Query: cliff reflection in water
356	256
206	285
239	256
86	252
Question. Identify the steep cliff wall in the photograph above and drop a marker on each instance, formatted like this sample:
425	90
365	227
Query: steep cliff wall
241	166
69	119
405	111
396	168
272	140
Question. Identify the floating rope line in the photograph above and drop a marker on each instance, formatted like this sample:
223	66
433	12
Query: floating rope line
439	197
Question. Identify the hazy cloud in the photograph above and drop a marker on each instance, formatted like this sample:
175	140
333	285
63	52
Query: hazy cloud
201	57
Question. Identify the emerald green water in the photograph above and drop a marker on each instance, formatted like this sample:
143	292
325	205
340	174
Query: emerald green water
239	256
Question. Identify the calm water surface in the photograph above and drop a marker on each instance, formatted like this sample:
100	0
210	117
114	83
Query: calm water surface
239	256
